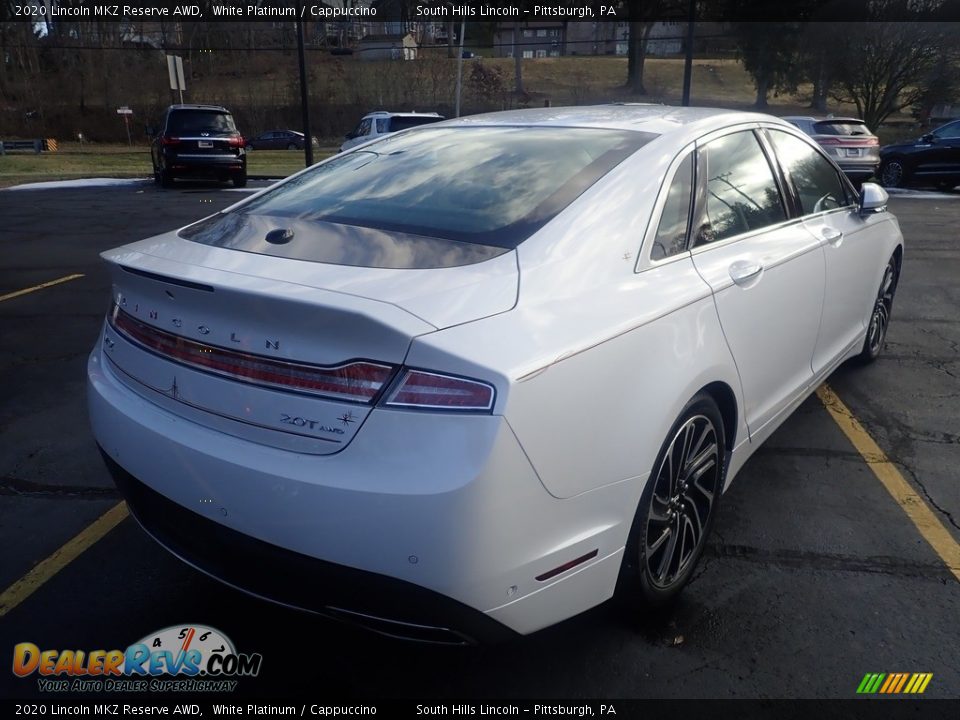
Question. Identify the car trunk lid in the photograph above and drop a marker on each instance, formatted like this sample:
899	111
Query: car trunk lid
278	351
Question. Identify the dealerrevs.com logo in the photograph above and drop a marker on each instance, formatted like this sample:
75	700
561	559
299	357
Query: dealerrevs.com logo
189	658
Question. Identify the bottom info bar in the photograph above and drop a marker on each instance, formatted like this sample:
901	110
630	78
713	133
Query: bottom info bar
316	709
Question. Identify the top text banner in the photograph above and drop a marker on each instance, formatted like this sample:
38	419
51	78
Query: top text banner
524	11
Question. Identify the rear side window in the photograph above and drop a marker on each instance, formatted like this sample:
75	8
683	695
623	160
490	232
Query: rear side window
401	122
837	127
671	237
741	192
486	185
195	122
817	182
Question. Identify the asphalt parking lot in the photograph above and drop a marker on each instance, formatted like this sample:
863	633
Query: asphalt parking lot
815	575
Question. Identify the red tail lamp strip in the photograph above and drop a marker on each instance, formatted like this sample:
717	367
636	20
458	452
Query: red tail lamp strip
358	381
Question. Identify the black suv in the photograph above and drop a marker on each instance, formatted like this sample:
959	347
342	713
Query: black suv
197	141
934	159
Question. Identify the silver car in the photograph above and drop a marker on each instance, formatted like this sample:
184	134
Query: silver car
847	140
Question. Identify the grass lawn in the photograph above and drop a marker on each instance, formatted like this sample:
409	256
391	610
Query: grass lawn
120	161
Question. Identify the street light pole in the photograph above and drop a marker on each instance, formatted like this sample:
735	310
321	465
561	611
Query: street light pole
463	31
304	106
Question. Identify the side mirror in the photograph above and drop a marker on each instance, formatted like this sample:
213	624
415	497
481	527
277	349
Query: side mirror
873	199
929	138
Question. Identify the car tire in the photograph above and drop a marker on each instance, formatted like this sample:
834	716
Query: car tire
240	180
678	507
880	315
892	173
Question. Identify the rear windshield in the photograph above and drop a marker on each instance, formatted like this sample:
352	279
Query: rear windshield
485	185
838	127
194	122
400	122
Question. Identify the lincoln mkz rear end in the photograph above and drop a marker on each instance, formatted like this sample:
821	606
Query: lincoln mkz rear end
305	395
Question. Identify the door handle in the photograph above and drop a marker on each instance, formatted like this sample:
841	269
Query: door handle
743	271
832	235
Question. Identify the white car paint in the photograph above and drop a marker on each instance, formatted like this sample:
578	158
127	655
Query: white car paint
593	349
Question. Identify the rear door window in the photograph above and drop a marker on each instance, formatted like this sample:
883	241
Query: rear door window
741	192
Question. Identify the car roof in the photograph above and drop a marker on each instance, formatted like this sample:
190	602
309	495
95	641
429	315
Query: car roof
642	117
220	108
822	119
386	113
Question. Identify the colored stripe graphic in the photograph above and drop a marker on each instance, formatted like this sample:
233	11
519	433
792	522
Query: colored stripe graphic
894	683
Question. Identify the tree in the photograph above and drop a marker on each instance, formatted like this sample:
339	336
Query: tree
885	66
517	61
644	14
769	52
816	44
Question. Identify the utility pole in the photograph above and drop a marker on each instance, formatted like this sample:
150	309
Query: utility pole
304	106
688	60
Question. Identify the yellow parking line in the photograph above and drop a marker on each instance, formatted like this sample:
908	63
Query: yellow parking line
41	286
900	490
47	568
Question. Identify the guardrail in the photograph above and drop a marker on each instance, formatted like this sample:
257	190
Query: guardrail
37	145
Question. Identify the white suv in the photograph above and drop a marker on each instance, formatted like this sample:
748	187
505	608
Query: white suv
377	124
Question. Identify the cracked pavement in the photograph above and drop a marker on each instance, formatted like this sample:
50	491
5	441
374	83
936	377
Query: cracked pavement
813	576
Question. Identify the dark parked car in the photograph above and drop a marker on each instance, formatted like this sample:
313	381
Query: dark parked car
197	141
934	159
278	140
848	141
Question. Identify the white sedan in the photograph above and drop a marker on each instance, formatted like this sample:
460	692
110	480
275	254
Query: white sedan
469	380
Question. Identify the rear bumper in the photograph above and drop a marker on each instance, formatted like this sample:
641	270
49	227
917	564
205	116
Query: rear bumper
383	604
859	170
424	520
200	164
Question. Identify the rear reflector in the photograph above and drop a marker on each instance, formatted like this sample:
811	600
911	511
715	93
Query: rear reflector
567	566
420	389
354	382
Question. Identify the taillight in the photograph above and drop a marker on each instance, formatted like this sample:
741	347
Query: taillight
872	141
828	141
170	140
236	142
358	381
427	390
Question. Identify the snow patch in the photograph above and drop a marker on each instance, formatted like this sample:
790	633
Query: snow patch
81	183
